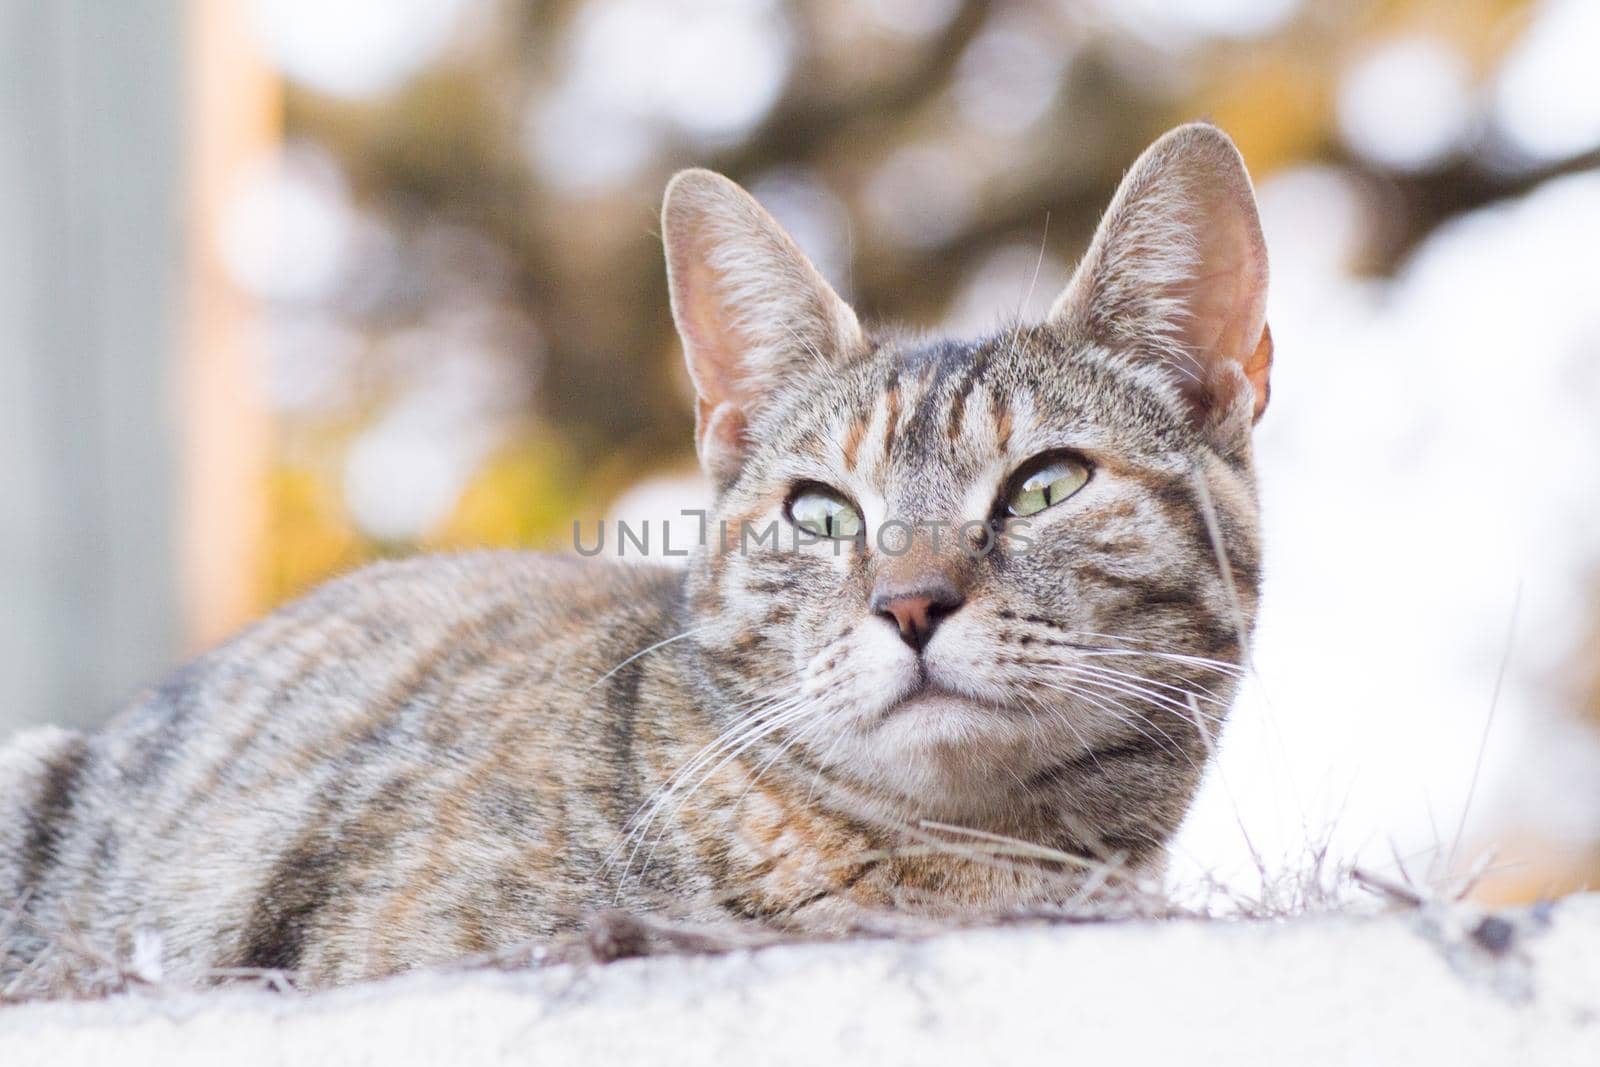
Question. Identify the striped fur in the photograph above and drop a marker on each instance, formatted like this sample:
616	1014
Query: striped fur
434	758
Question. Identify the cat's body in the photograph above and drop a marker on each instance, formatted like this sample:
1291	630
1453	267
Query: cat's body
440	757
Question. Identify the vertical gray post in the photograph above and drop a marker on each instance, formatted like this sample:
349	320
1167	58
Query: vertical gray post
89	245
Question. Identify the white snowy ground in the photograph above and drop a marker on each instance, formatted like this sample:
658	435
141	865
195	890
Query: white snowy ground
1423	987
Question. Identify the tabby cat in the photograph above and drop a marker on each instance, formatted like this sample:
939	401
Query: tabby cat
953	595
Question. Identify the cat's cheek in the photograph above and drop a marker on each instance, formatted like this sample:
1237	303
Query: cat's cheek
826	559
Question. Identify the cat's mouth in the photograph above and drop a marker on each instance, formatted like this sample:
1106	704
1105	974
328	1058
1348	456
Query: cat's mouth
927	695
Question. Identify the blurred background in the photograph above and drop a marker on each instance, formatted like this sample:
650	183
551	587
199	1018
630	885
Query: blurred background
289	285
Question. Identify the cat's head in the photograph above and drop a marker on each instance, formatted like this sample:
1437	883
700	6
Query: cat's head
1087	479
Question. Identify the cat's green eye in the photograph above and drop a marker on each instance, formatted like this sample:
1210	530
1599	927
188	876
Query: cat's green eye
825	513
1045	485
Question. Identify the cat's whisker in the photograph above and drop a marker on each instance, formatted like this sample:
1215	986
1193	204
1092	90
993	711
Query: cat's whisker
1208	512
1128	641
677	800
1150	689
1092	679
1133	715
1118	712
1133	688
1219	666
1130	645
747	723
821	721
784	713
1203	693
824	762
647	809
818	718
645	652
1057	715
1199	718
640	822
1127	716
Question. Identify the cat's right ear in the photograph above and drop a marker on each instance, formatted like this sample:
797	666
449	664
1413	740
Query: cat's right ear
1177	276
749	306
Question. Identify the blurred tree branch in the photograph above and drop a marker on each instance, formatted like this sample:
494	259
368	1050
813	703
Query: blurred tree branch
810	116
1422	202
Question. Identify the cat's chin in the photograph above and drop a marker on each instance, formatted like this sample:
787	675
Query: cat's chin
948	752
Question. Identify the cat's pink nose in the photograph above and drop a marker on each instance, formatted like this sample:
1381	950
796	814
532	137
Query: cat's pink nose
917	611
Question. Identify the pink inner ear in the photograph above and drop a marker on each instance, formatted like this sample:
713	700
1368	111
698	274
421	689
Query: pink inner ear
1258	369
713	347
722	438
1227	321
1177	272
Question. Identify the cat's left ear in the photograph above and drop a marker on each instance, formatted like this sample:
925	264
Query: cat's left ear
1177	273
749	306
